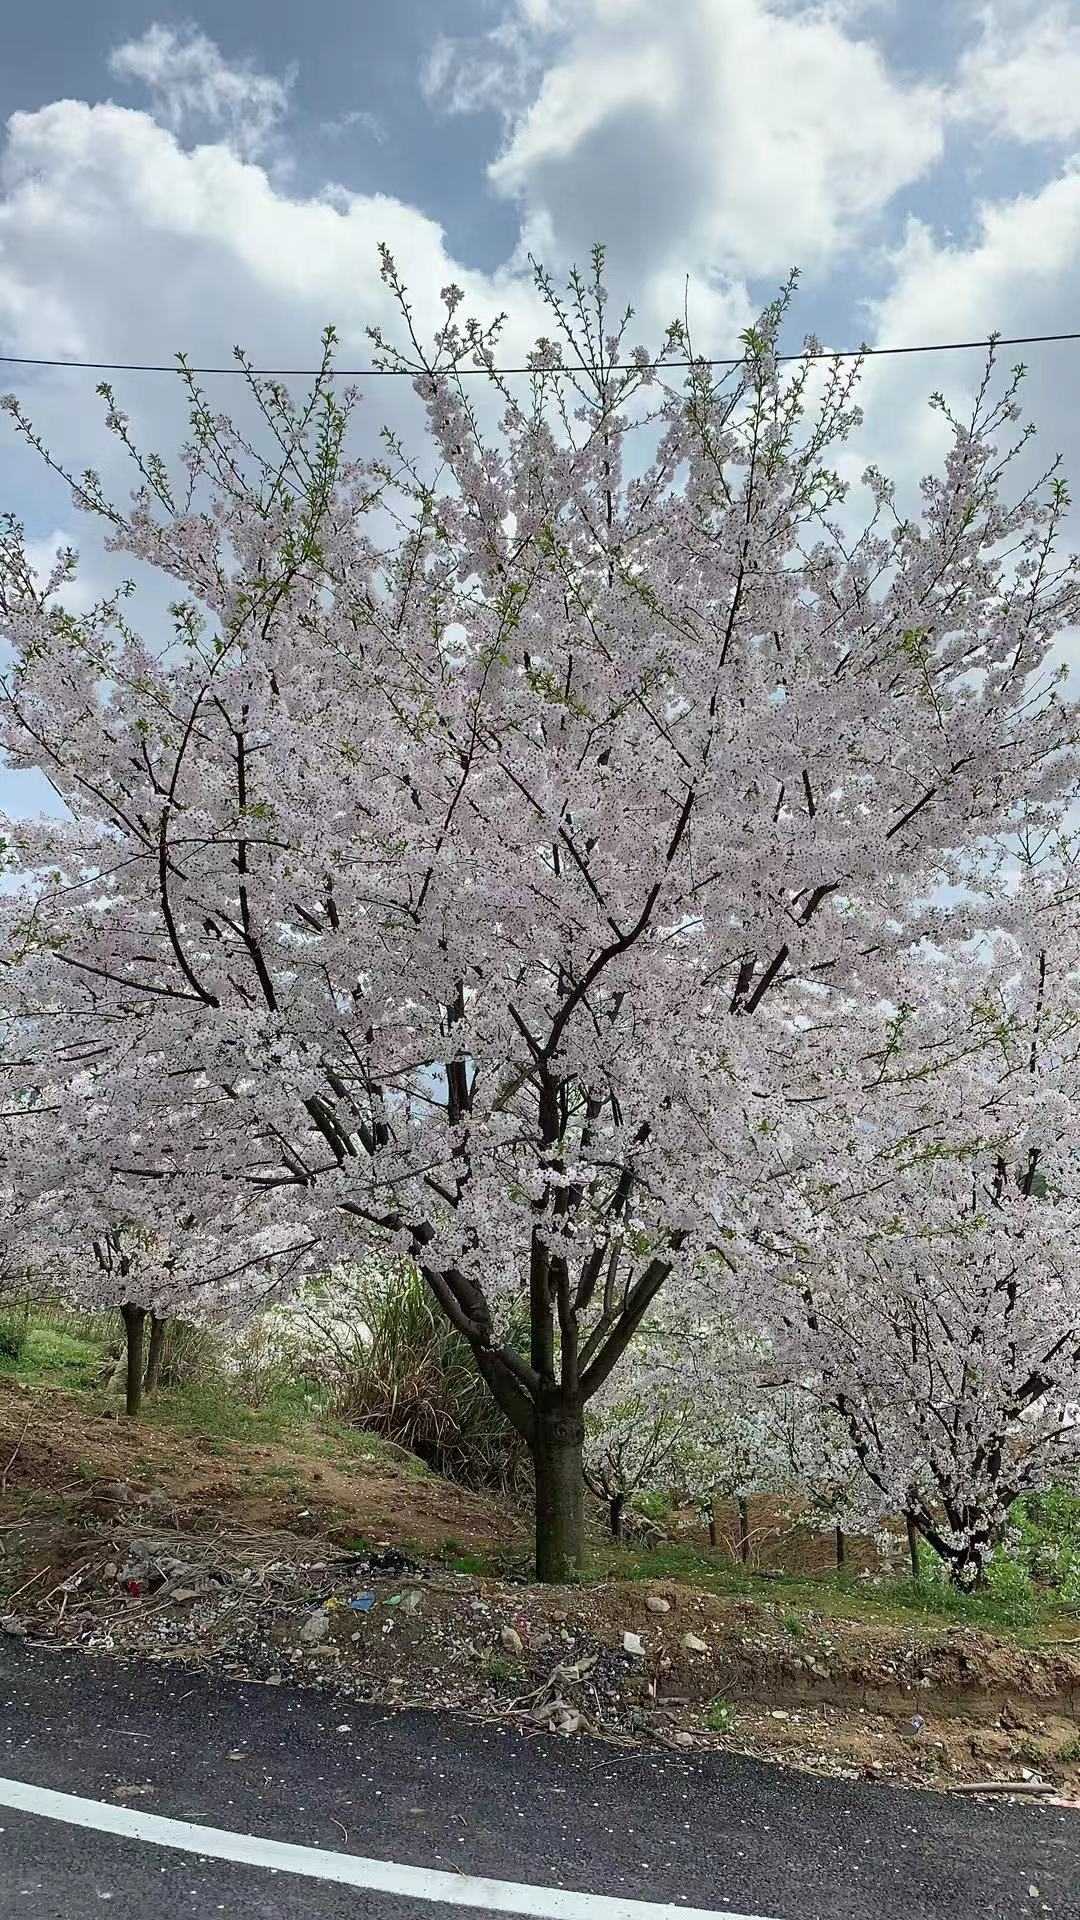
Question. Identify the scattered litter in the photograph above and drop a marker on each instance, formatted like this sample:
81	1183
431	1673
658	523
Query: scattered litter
361	1602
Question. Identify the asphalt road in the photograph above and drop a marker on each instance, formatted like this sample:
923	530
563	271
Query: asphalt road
439	1792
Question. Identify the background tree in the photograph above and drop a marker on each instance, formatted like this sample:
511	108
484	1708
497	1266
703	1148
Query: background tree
938	1314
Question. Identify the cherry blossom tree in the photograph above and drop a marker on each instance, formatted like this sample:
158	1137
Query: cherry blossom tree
637	1429
85	1247
936	1312
489	858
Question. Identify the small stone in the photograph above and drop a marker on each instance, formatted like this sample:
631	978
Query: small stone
511	1640
316	1627
632	1643
683	1739
10	1623
694	1643
657	1604
410	1602
778	1713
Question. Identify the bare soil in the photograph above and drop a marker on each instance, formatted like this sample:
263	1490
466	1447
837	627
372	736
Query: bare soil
242	1557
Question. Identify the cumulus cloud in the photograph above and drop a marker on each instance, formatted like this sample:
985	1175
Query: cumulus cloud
739	135
192	84
1022	75
1018	272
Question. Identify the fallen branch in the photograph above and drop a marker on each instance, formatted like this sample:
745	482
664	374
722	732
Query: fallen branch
1003	1786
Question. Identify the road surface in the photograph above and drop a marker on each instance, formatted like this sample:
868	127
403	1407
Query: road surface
360	1787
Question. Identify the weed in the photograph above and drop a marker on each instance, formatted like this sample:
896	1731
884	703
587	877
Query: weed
462	1562
720	1717
794	1625
498	1669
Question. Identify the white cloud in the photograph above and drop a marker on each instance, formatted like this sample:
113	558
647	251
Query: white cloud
118	242
1022	76
736	135
190	81
360	117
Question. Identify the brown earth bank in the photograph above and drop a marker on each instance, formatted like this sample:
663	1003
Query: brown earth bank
288	1566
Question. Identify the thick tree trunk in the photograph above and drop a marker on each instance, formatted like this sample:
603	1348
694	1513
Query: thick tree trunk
134	1322
557	1444
913	1549
744	1529
615	1514
841	1550
154	1352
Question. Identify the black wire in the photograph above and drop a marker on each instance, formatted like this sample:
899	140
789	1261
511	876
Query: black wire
619	366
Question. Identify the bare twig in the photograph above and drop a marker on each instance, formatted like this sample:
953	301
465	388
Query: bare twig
34	1577
15	1454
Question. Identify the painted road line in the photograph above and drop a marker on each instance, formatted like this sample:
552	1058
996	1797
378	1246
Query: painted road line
350	1869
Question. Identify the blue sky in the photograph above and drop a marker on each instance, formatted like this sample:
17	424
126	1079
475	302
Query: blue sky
193	177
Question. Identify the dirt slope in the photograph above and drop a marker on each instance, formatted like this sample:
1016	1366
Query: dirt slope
241	1556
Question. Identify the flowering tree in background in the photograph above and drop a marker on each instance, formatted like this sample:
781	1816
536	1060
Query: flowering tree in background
637	1429
936	1313
487	866
77	1244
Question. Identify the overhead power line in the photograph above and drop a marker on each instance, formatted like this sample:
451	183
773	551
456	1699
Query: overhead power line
619	366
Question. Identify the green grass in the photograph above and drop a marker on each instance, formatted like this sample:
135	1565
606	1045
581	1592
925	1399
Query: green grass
720	1717
460	1561
52	1356
1009	1604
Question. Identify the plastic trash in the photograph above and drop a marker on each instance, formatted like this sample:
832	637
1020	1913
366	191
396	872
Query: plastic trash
361	1602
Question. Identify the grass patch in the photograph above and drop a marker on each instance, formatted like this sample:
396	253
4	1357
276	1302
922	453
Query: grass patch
346	1445
51	1356
1008	1604
460	1561
215	1413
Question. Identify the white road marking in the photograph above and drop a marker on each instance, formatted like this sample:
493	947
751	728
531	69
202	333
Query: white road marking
351	1869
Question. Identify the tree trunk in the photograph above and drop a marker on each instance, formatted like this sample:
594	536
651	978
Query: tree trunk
134	1321
744	1529
841	1550
913	1550
615	1513
558	1439
712	1527
154	1352
967	1570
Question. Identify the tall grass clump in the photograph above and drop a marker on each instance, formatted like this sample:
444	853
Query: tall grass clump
394	1367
